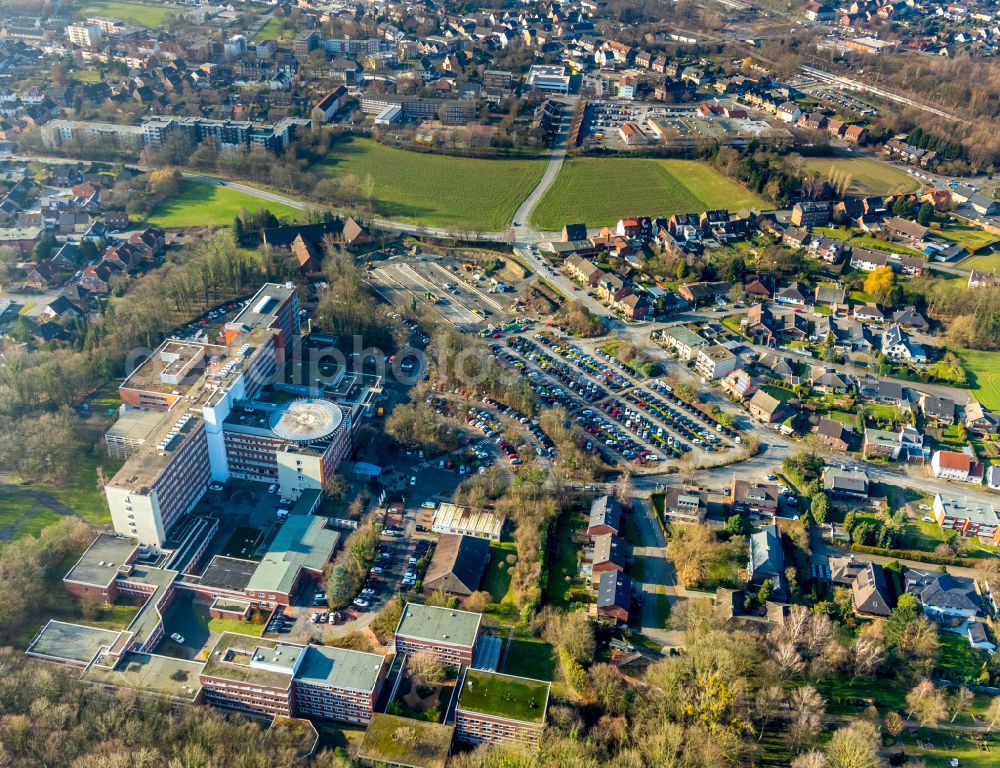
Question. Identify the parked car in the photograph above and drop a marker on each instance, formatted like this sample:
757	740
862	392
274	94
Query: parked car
177	638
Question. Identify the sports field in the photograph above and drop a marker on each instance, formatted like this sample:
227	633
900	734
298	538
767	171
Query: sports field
983	372
599	191
139	14
436	190
202	205
868	176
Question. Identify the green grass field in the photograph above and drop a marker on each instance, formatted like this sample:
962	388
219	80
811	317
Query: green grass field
496	580
529	656
985	262
563	568
203	205
868	176
270	31
435	190
971	238
983	372
21	516
140	14
873	243
599	191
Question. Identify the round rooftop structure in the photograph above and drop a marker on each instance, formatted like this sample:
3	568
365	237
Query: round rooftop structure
306	420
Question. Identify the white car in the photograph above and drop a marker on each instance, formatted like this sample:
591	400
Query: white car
360	602
413	479
928	519
429	505
924	508
177	638
369	592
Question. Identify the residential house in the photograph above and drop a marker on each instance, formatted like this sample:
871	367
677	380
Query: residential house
765	408
845	483
795	294
871	592
834	434
942	596
829	380
909	317
868	313
833	296
755	498
979	279
738	384
978	420
614	596
701	293
881	444
866	260
605	516
970	516
766	561
956	465
682	340
572	232
685	504
795	237
810	213
896	344
610	554
907	229
978	634
940	410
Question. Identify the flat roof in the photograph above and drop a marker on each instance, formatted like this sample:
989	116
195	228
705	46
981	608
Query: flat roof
475	521
436	624
231	660
135	424
260	310
71	643
306	420
177	678
406	742
228	573
100	563
516	698
340	668
303	541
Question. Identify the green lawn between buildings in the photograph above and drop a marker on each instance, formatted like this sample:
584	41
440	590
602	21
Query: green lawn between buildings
969	237
204	205
432	189
599	191
140	14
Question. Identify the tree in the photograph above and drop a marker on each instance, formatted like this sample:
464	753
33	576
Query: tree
893	724
692	549
960	702
855	746
737	525
340	586
818	506
927	702
993	713
811	759
879	281
427	667
924	214
764	593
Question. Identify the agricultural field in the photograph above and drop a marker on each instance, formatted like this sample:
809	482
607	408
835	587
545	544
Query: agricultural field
140	14
868	176
436	190
983	372
599	191
205	205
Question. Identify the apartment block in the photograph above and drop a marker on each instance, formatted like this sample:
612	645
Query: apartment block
967	515
448	634
494	709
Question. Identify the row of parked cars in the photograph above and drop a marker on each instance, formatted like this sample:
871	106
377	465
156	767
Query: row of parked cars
704	421
579	384
530	424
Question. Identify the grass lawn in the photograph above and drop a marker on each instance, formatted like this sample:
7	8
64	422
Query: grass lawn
780	394
922	536
948	745
436	190
969	237
874	244
868	176
563	567
140	14
984	262
599	191
957	660
27	307
82	493
22	516
837	233
887	694
218	626
496	581
501	696
732	322
982	369
202	205
881	411
529	656
85	75
270	31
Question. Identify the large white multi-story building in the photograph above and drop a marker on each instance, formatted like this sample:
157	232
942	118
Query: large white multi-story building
85	35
